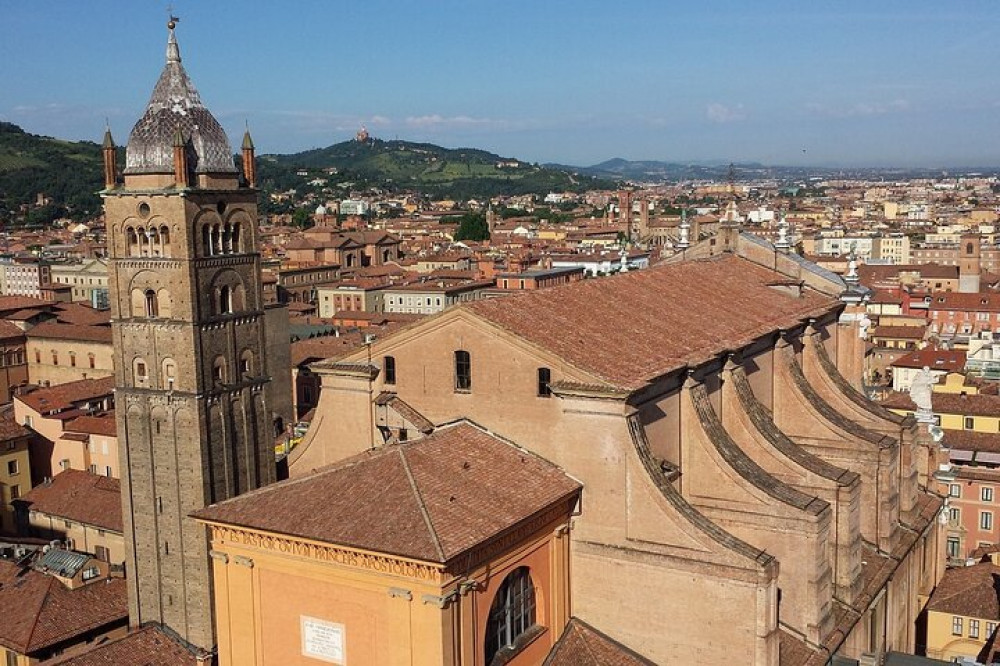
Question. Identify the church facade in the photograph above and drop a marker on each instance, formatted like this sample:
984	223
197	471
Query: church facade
742	500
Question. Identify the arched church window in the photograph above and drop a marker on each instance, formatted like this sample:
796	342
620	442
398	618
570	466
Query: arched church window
152	307
512	613
206	240
165	241
216	239
227	238
236	237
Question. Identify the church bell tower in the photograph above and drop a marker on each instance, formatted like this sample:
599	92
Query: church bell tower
194	426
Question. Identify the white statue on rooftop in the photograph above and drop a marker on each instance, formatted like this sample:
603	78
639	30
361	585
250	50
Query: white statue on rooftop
864	325
921	390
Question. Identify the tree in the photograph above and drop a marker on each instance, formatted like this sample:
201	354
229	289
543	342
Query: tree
472	226
302	218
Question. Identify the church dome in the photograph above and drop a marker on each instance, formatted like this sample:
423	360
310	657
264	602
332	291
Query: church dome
176	105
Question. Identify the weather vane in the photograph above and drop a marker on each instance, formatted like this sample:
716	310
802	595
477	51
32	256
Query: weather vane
172	22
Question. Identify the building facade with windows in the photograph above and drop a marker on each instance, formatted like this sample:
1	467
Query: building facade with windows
15	468
472	566
59	353
962	620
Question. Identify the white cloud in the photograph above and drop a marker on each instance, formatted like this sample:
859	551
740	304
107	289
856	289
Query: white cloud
859	109
721	113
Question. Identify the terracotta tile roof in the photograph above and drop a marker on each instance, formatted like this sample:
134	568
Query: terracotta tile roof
449	492
970	440
950	360
13	303
149	646
971	591
325	347
9	331
582	645
81	497
83	315
39	611
59	331
99	424
953	300
904	332
631	328
949	403
65	396
793	651
9	428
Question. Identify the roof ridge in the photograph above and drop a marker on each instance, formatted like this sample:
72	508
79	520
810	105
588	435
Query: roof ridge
420	503
38	612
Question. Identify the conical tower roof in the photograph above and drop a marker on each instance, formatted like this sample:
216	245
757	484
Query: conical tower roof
176	106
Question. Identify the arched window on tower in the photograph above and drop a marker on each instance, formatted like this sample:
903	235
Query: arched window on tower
143	242
140	373
206	240
512	613
131	242
165	241
152	306
227	239
154	242
216	239
236	238
169	374
219	369
225	300
246	363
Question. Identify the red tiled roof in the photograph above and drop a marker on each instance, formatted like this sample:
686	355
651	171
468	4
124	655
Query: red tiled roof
39	611
64	396
100	424
949	360
9	331
949	403
631	328
449	492
83	315
582	645
953	300
81	497
59	331
971	591
905	332
149	646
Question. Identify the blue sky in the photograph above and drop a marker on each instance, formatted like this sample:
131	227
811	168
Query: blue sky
911	83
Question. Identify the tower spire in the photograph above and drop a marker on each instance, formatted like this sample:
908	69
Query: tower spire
173	51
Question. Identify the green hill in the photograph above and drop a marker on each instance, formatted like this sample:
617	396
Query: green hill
459	173
70	173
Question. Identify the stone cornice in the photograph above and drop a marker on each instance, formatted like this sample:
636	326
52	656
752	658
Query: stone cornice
223	535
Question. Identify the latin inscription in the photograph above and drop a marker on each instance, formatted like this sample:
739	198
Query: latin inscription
323	640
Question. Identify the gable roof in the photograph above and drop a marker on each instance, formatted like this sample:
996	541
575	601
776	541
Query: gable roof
64	396
631	328
149	646
79	496
971	591
447	493
582	645
39	611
